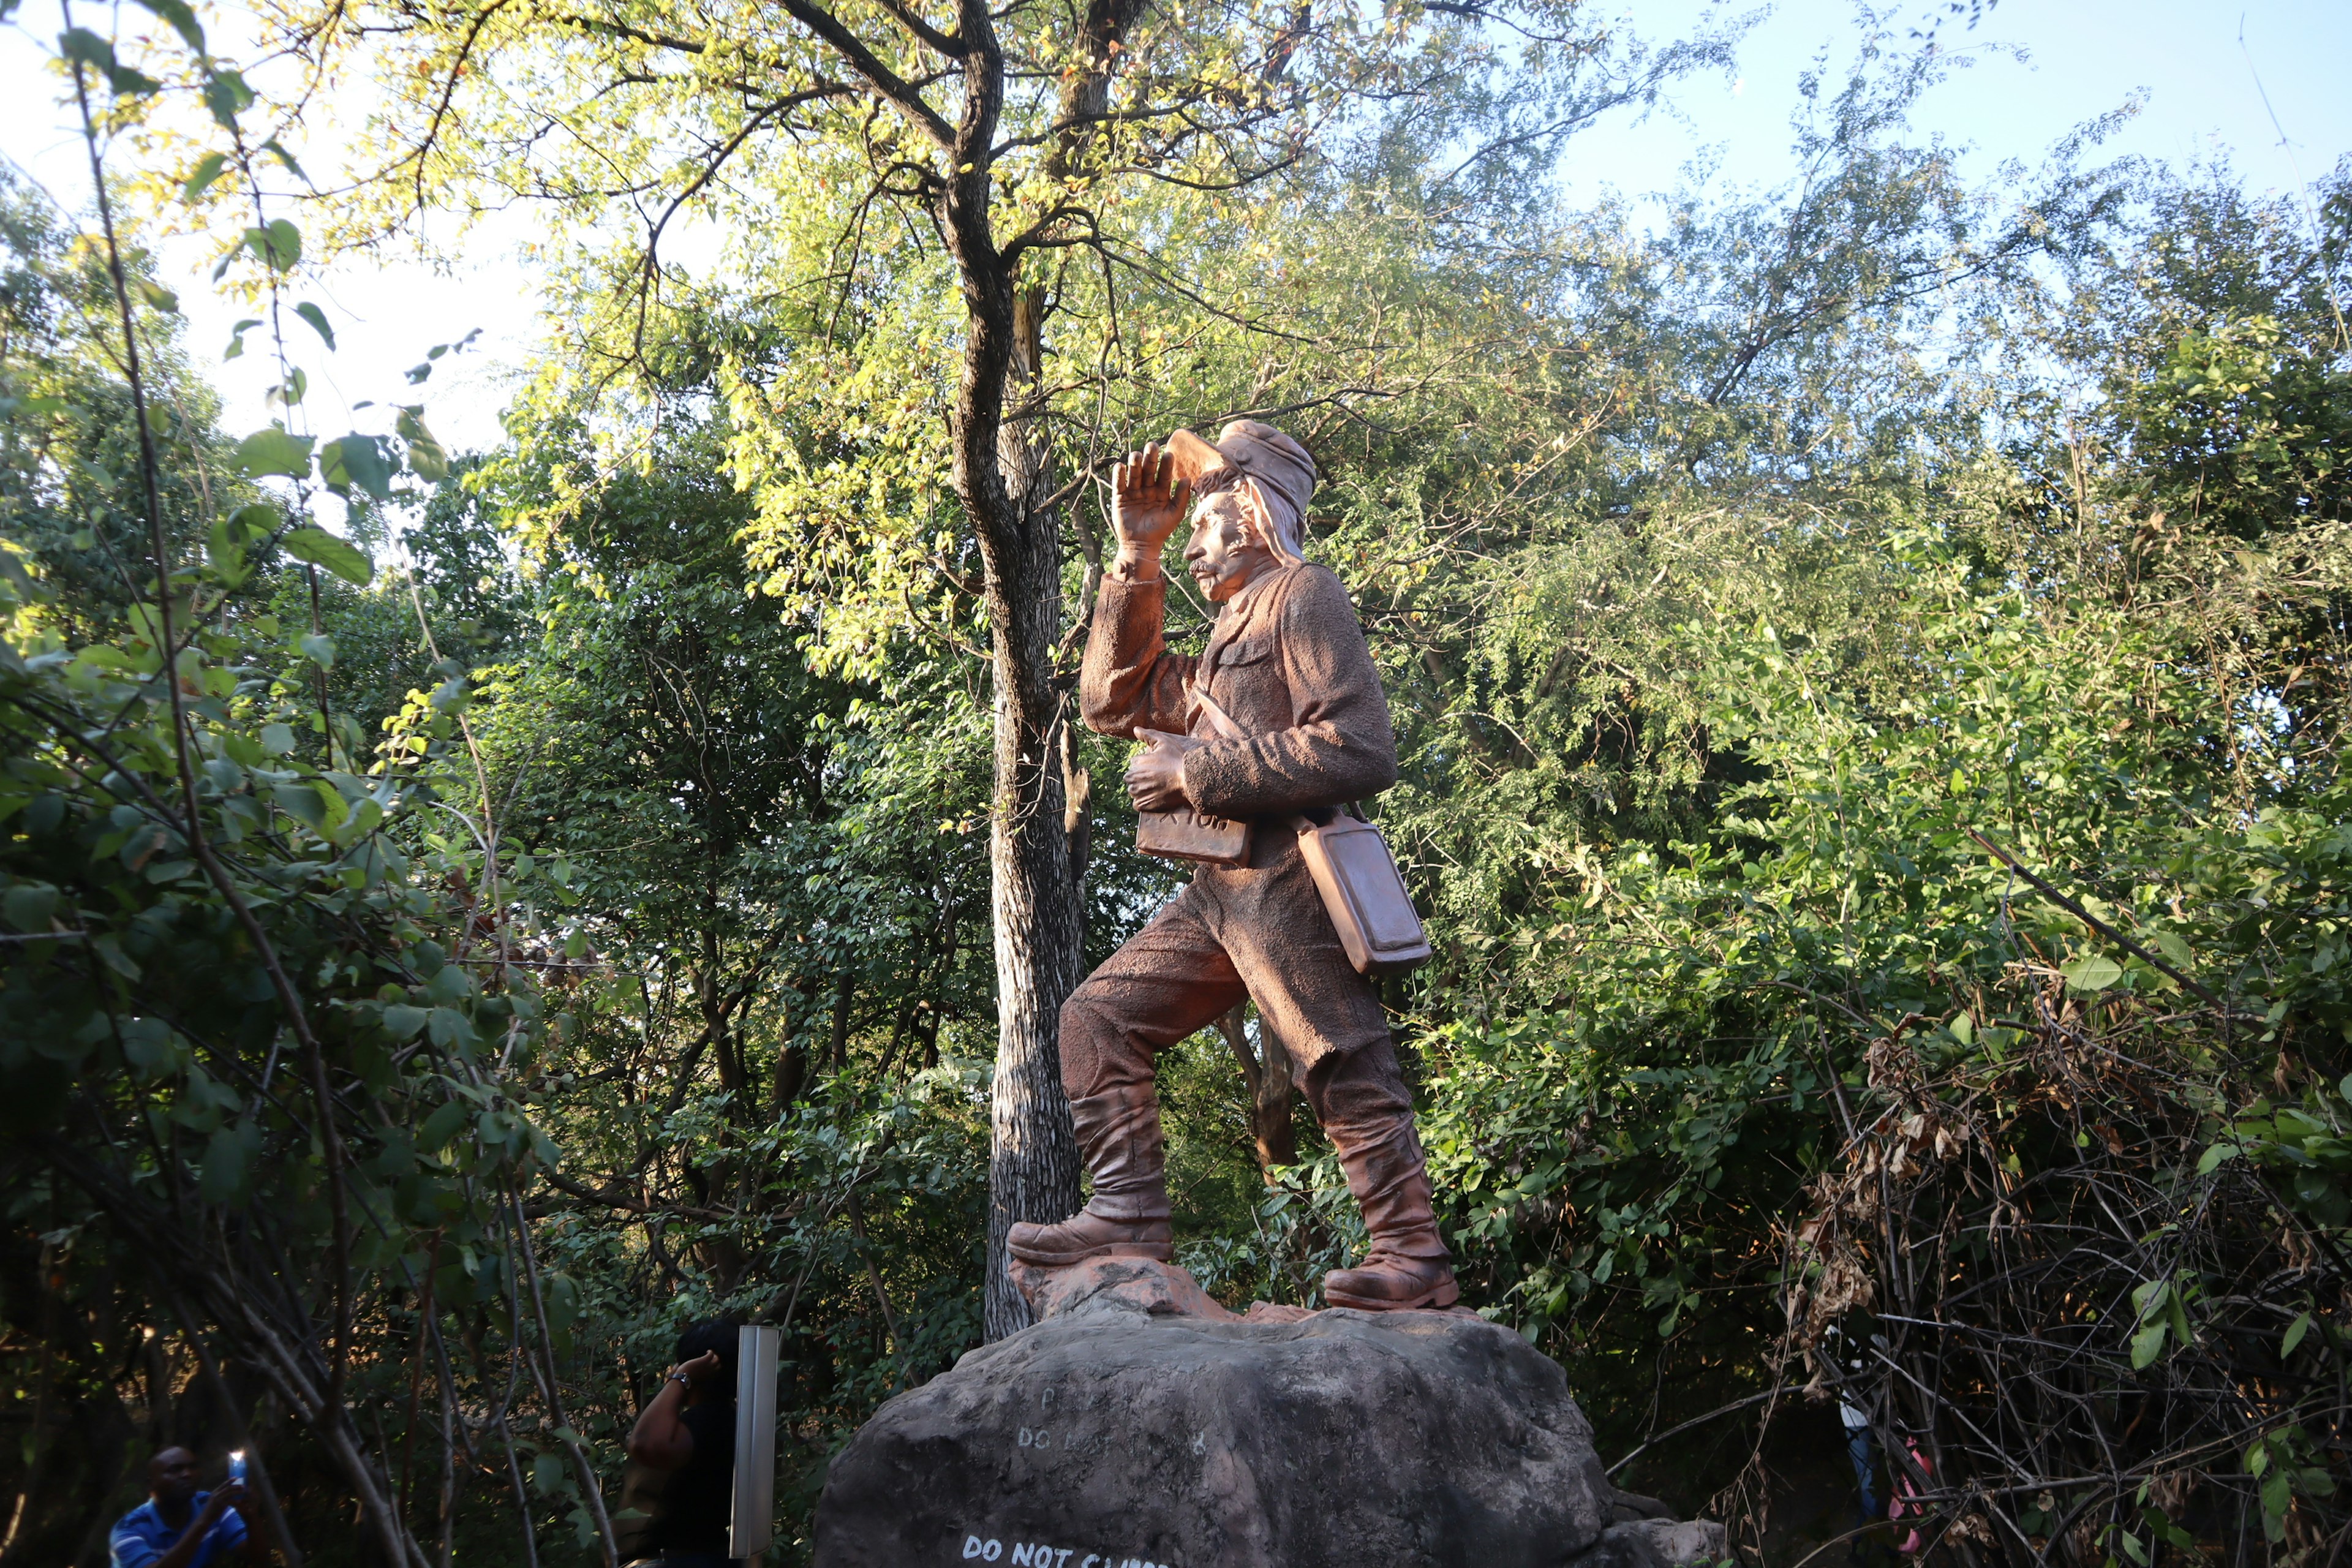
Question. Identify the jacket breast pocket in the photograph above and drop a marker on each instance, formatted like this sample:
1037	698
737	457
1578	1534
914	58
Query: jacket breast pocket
1248	682
1246	651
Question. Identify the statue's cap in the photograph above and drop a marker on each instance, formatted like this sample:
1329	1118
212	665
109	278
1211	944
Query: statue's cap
1252	449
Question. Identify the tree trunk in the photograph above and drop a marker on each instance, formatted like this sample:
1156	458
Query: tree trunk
845	991
792	1057
1001	476
1033	1167
1266	1071
1032	1172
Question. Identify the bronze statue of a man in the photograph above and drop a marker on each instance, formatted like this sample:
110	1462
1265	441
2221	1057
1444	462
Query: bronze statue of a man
1287	665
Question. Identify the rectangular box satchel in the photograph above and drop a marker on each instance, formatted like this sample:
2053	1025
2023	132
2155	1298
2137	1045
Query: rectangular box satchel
1364	893
1185	834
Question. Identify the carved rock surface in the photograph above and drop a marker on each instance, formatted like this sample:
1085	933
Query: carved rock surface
1140	1423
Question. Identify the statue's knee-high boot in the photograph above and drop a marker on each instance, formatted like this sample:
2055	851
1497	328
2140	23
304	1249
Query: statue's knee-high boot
1118	1133
1406	1265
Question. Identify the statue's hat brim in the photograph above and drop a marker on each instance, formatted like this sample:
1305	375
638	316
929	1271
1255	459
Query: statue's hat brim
1193	457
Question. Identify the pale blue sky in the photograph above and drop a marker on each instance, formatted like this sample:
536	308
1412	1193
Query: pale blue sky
2086	57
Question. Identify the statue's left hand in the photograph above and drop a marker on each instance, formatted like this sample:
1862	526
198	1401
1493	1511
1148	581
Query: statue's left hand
1155	778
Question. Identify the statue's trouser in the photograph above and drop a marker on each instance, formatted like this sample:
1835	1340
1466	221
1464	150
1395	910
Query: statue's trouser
1258	932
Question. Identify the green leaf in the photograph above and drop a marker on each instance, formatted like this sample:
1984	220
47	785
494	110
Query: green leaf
334	812
319	648
442	1125
402	1021
29	906
2211	1159
320	548
225	550
84	47
2147	1345
235	349
227	96
302	803
273	451
277	740
2278	1495
159	298
206	173
277	149
149	1048
356	460
2093	972
226	1169
182	20
362	818
318	319
2294	1332
2169	944
278	243
425	454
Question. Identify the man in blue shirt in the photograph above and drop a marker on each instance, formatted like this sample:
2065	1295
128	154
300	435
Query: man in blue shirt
178	1526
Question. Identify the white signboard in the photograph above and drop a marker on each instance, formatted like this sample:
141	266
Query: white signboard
751	1525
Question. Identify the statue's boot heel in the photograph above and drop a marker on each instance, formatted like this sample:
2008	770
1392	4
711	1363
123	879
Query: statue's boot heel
1118	1133
1090	1235
1406	1268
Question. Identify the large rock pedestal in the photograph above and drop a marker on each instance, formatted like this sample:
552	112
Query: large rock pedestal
1140	1423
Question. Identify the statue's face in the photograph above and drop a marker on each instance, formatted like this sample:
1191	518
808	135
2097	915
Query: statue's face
1224	553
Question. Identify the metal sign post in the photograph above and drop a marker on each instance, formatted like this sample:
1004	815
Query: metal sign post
751	1523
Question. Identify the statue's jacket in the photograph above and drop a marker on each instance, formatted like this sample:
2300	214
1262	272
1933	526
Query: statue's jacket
1288	663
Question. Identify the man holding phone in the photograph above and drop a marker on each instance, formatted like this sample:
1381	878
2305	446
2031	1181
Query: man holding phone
178	1526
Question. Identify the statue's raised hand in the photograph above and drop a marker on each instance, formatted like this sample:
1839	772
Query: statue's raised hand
1147	506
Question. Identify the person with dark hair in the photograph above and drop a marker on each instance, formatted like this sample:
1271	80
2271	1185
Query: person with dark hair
178	1526
688	1430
